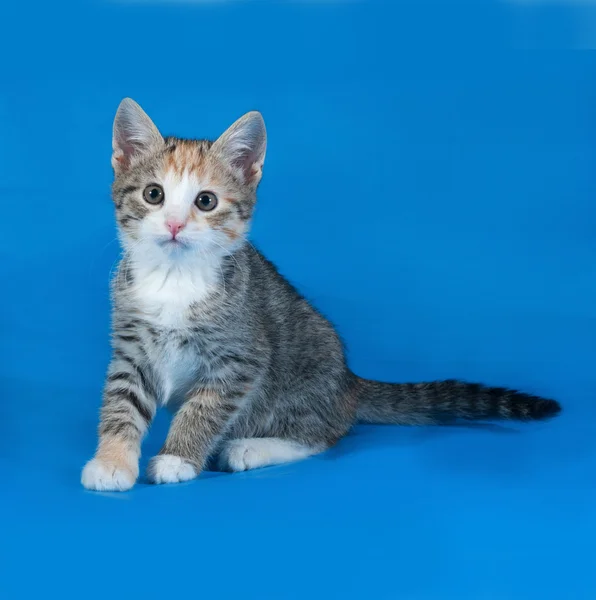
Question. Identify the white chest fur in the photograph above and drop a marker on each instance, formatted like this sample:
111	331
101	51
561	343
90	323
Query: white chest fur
175	367
164	298
165	295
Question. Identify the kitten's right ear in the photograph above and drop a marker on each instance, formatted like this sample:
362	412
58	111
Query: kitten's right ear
133	134
243	145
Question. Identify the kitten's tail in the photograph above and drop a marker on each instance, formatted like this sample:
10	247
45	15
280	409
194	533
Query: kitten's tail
443	401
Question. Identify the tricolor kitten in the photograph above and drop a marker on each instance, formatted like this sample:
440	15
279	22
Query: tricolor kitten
204	324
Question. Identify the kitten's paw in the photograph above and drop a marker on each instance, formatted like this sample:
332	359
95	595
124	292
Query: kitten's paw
167	468
241	455
252	453
106	476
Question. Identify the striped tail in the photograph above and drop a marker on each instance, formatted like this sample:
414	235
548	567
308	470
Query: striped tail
441	402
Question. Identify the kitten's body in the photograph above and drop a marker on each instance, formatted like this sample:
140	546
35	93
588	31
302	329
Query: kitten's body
208	327
252	325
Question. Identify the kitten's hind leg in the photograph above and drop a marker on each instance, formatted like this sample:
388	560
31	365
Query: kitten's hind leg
252	453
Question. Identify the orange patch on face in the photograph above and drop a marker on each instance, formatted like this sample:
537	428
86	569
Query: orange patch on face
187	156
233	235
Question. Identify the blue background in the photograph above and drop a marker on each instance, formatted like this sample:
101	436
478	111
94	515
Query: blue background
429	185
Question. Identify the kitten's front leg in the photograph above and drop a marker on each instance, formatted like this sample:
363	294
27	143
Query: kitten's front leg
195	429
128	408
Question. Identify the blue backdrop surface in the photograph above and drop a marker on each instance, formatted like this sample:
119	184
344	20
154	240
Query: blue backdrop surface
428	186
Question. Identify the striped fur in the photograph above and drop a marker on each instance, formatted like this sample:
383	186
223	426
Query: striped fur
444	401
205	325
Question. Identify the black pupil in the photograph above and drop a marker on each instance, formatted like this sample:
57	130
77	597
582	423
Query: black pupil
205	200
154	193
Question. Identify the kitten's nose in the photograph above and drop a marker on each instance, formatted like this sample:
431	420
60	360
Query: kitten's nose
175	227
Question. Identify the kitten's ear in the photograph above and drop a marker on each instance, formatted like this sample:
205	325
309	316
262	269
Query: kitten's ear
133	134
243	147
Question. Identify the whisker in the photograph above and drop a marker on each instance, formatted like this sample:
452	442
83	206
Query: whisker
93	261
126	259
230	254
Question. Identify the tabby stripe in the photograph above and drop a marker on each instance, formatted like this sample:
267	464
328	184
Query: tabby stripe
242	379
122	356
138	211
241	360
152	331
141	374
228	408
118	353
121	376
119	428
129	189
234	394
113	411
134	400
125	337
126	219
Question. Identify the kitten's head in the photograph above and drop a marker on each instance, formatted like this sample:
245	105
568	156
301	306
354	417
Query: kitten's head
177	198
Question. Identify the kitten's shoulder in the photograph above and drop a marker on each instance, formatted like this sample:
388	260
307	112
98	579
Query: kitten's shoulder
267	282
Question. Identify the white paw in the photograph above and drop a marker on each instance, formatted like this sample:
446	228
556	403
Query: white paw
242	455
104	476
167	468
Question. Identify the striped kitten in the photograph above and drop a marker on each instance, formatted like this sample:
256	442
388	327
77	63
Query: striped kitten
204	324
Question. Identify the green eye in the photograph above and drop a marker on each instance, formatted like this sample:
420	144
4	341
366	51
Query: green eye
153	194
206	201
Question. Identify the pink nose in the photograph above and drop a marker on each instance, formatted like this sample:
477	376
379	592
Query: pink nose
175	227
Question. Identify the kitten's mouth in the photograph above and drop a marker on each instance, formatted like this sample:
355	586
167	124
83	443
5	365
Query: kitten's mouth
173	243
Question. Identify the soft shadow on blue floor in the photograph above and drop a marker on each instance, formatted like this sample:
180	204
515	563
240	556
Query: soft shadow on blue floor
426	186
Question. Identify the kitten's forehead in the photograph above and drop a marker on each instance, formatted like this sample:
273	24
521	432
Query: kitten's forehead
192	160
186	156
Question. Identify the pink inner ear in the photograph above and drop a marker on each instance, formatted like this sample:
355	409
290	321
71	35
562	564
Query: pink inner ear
123	153
247	162
255	171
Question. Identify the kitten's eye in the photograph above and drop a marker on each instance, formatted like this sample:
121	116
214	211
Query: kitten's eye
206	201
153	194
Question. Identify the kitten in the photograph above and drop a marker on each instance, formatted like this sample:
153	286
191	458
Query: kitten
204	324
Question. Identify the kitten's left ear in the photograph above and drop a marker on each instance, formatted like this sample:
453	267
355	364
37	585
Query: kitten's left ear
134	133
243	147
